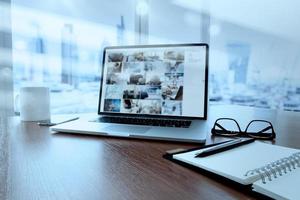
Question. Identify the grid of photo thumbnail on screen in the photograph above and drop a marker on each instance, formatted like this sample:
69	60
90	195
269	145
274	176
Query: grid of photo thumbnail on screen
145	82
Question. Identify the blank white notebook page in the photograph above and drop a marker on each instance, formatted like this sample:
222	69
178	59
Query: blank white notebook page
234	163
283	187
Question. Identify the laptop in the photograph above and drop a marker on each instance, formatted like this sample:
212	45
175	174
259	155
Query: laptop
150	92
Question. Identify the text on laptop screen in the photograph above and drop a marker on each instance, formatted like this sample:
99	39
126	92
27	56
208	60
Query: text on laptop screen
166	81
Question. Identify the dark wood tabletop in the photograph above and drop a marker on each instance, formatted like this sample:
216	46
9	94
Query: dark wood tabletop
45	165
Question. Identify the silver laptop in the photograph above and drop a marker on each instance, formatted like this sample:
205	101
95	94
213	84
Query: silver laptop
151	92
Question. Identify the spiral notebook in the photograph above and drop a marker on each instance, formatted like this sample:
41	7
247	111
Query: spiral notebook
272	170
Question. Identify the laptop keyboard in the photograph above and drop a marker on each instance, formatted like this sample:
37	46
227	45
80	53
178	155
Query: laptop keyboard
145	121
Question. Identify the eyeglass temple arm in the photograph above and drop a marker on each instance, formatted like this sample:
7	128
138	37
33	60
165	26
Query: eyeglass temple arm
265	129
221	127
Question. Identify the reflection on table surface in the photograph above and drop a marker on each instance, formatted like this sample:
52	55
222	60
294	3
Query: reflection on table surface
92	167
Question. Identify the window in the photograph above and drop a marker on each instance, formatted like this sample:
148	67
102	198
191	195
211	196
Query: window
254	46
59	44
170	23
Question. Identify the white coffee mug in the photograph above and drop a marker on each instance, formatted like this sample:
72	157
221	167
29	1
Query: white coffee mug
34	104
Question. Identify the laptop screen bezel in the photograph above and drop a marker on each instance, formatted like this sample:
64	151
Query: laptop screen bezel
150	115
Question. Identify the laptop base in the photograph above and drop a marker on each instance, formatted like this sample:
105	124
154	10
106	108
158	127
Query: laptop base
196	133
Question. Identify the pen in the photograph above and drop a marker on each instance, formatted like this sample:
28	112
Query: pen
52	124
224	147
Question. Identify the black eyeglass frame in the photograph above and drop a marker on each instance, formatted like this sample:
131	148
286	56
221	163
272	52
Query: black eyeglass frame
240	133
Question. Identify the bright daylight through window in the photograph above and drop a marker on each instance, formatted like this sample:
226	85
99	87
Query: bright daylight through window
254	53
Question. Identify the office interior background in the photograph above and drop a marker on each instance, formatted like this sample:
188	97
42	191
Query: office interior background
254	56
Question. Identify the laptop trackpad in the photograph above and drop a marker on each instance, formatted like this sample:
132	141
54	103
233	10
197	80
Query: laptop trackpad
125	130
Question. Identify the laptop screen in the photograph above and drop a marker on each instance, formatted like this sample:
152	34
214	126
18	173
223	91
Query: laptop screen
155	80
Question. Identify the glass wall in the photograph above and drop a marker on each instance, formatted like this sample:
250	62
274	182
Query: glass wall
261	54
254	46
60	43
170	23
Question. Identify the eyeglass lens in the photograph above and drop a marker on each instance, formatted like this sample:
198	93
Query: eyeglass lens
259	128
228	124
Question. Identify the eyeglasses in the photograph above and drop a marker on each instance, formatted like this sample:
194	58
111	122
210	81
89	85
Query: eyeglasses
258	129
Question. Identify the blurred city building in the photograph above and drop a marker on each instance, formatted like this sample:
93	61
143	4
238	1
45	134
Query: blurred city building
252	61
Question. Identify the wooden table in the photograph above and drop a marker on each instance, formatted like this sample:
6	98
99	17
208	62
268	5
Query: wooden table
44	165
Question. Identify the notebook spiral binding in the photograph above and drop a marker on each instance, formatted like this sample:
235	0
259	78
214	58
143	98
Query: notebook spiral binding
278	167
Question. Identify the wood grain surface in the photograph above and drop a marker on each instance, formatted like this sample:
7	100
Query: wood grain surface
44	165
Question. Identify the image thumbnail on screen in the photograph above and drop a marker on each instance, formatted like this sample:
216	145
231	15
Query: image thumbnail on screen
147	81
